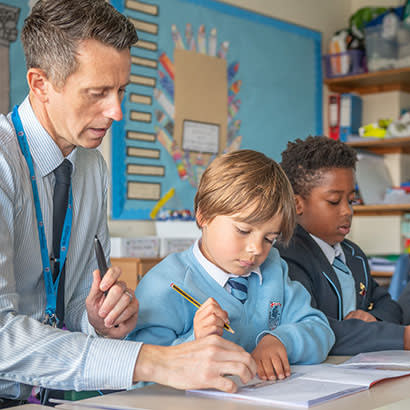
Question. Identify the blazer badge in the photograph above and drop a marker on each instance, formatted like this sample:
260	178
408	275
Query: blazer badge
275	312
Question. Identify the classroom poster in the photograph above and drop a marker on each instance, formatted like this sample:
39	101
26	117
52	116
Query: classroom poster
207	78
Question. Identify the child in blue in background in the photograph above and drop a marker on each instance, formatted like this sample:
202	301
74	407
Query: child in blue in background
243	205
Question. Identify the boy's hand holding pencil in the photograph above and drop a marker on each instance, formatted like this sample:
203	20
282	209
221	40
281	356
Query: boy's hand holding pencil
210	319
214	310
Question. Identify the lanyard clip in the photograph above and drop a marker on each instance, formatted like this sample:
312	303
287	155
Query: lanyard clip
50	320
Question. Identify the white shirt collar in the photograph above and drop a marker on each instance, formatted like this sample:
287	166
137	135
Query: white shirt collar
330	251
45	152
214	271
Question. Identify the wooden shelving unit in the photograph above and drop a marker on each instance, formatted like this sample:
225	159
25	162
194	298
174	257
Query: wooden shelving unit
370	83
382	209
383	146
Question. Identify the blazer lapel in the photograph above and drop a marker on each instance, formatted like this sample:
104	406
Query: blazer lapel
358	268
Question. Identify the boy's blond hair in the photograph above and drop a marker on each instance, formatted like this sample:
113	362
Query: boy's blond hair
247	180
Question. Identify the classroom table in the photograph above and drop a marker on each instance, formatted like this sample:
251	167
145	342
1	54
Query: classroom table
386	395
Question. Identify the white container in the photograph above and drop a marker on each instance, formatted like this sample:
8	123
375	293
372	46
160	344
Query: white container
177	229
173	245
143	247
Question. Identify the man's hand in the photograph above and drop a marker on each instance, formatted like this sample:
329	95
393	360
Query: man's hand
115	314
361	315
210	319
271	358
200	364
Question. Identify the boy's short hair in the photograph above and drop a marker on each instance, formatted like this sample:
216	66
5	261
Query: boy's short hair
304	161
54	29
247	179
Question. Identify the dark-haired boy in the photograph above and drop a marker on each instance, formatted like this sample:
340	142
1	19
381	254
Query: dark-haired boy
333	269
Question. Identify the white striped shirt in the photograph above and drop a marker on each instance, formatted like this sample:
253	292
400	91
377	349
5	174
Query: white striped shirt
32	353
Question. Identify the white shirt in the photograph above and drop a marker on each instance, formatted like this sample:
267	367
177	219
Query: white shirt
33	353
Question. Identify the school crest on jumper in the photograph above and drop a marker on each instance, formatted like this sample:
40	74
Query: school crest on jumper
275	311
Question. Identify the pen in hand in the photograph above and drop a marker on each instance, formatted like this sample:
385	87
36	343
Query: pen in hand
102	263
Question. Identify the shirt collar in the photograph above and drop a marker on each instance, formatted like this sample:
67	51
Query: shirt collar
45	152
331	252
214	271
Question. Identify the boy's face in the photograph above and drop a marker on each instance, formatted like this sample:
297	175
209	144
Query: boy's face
327	211
238	247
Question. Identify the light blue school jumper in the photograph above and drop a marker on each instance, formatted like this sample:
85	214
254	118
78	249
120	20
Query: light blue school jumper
277	306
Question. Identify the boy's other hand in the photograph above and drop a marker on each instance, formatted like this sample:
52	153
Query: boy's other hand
210	319
361	315
271	358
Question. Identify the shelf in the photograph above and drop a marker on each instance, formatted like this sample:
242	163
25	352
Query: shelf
383	145
370	83
378	274
382	209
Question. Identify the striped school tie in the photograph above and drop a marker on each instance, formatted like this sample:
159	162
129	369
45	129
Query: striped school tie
339	264
239	288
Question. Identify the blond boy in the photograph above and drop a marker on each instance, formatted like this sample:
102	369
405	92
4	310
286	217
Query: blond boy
243	205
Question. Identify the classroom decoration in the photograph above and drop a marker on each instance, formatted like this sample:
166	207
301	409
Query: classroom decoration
13	86
207	78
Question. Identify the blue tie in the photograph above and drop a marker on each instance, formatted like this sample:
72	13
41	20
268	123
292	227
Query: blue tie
339	264
239	287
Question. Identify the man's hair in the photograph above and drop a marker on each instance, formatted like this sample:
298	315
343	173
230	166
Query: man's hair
305	161
52	32
246	181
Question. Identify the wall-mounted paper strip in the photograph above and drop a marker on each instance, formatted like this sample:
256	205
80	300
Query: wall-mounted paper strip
145	62
141	136
140	116
143	152
145	26
143	80
138	169
140	99
144	191
142	7
146	45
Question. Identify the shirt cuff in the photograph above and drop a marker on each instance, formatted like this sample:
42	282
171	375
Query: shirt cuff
110	364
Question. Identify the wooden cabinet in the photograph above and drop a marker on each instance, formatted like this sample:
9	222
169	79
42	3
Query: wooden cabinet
133	269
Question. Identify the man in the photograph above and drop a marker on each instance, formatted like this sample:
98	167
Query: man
78	60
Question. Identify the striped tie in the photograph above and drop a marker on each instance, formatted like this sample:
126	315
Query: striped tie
339	264
239	288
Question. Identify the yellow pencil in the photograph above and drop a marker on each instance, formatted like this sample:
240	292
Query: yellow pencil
189	298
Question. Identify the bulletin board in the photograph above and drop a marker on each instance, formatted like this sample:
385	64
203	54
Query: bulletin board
207	78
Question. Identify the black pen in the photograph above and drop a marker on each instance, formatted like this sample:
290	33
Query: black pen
102	263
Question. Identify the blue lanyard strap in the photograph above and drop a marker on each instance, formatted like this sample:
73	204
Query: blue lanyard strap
50	286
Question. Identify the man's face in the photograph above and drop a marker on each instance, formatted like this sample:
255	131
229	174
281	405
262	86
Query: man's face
81	112
235	246
327	211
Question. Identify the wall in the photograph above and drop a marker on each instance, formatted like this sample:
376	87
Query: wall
322	15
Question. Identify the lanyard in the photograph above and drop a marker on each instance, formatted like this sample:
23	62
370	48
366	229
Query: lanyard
50	286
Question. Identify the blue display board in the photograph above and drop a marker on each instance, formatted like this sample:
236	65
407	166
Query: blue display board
274	94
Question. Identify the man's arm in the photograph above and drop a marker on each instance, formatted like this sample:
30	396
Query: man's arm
200	364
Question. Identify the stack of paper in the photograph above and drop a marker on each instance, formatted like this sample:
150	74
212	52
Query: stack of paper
309	385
